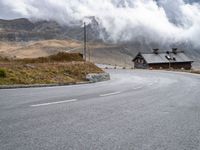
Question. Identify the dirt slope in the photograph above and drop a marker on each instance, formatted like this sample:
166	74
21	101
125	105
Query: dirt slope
99	53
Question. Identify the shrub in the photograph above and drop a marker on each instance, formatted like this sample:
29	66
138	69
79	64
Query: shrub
2	73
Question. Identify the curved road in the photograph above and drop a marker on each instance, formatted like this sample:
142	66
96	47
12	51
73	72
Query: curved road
136	110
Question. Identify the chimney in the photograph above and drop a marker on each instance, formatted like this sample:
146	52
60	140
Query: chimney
174	50
155	50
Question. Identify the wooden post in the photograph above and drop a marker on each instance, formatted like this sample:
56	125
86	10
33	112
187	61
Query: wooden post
85	42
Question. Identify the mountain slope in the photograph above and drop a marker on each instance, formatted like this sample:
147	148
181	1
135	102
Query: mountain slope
17	24
25	30
23	38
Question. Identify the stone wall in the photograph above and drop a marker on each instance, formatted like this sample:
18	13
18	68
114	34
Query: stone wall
98	77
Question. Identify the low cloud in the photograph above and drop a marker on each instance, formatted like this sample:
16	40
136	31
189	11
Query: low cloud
161	21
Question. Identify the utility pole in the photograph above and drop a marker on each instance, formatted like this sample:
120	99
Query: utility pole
88	48
85	42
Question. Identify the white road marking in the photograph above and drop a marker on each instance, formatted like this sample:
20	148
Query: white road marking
54	103
138	88
109	94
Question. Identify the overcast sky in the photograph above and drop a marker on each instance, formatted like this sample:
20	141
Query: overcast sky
161	20
11	9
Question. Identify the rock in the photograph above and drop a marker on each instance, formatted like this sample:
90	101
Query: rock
29	66
98	77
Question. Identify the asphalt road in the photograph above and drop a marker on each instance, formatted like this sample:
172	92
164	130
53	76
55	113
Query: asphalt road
136	110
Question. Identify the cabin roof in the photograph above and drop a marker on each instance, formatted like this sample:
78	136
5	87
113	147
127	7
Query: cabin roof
163	57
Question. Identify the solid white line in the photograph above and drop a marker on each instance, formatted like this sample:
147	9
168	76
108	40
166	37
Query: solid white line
54	103
109	94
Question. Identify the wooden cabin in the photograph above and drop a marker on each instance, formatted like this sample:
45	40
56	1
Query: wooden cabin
163	60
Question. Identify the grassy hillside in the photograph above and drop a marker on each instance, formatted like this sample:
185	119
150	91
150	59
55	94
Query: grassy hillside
36	49
60	68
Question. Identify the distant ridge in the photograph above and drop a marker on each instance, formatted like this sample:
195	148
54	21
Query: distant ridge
23	29
17	24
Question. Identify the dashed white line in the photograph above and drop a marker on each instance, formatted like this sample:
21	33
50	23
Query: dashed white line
109	94
151	84
54	103
137	88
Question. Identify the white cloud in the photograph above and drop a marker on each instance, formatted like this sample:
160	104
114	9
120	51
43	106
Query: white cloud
124	20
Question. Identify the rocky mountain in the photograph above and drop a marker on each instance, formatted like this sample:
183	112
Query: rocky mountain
17	24
26	30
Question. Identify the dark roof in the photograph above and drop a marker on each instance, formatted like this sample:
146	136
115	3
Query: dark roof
162	57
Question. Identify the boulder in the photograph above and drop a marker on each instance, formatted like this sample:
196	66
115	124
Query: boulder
98	77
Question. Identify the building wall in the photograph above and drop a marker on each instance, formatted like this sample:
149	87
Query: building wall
185	65
140	64
144	65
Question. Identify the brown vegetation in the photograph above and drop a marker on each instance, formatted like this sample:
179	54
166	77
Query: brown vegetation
60	57
36	49
61	68
195	71
42	48
99	52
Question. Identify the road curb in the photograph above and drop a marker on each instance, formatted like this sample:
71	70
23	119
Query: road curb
101	78
41	85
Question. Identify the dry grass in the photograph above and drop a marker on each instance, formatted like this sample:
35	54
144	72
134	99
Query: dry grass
36	48
60	68
43	48
100	52
195	71
47	73
60	57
